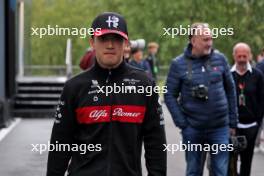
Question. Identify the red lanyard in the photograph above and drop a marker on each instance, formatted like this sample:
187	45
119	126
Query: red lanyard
242	86
242	97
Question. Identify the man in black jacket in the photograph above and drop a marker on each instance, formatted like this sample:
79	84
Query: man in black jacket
250	98
152	60
111	126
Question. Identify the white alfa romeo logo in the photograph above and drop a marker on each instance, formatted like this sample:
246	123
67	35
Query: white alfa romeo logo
112	20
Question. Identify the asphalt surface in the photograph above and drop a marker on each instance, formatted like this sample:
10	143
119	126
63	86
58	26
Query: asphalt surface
18	159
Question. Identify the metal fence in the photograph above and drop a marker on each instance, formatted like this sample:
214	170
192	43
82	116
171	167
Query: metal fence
49	70
61	71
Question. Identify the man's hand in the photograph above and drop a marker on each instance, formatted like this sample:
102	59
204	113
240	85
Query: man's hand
232	131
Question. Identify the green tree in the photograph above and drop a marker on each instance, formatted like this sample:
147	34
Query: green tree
146	19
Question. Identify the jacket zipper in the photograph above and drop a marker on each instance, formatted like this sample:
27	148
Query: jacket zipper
108	77
111	130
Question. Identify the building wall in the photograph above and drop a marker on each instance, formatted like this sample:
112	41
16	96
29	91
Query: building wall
2	63
2	50
7	59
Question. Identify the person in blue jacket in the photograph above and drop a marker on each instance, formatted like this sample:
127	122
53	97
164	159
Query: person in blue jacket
201	98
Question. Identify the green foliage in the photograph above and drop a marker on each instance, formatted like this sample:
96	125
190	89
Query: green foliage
146	19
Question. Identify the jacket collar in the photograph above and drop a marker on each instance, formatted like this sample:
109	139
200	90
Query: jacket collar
104	71
234	68
188	53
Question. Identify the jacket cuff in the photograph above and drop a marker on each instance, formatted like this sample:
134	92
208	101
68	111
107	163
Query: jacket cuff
232	125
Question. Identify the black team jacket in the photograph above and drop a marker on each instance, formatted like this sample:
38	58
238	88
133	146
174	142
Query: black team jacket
113	126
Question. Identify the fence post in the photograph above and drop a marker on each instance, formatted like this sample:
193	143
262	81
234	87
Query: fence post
68	58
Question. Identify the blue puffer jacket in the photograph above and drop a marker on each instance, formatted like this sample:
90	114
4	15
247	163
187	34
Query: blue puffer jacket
219	110
260	66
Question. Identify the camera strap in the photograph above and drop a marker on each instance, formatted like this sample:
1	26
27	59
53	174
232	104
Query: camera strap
189	69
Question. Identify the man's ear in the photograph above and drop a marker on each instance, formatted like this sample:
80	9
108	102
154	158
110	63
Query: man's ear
91	41
126	42
234	57
192	40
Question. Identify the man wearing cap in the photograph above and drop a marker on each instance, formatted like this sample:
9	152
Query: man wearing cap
112	126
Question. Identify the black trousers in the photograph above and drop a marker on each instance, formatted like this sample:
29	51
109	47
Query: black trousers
246	156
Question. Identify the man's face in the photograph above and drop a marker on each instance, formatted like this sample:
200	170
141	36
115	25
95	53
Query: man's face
202	42
138	56
241	55
153	50
109	50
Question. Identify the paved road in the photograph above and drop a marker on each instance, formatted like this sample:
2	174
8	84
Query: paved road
17	159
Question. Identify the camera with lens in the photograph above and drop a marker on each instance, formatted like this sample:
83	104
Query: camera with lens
239	143
200	92
137	44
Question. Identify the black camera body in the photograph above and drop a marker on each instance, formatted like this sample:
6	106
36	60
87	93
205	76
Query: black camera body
239	143
200	92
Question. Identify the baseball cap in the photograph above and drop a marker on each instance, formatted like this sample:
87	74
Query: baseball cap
110	23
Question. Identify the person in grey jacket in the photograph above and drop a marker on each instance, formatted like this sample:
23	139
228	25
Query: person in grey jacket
201	98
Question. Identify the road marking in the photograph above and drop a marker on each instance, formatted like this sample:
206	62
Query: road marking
5	131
